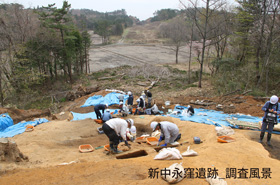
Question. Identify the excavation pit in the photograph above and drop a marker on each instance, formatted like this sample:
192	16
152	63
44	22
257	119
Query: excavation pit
139	153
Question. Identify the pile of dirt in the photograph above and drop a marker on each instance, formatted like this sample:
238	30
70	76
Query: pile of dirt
9	152
19	115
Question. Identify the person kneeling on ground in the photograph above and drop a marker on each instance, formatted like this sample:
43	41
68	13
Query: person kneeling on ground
140	106
115	128
271	109
131	133
107	115
190	110
169	131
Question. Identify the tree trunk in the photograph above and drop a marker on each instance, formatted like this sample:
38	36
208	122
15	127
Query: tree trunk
177	51
1	90
268	46
190	57
260	43
204	42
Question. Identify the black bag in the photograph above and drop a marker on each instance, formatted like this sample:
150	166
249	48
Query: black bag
271	117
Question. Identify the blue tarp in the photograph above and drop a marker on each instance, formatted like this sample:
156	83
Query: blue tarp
91	115
5	121
212	117
19	128
110	99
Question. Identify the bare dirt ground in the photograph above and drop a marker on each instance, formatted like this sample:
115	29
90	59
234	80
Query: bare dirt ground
53	147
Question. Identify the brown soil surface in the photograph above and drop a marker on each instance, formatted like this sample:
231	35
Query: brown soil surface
54	157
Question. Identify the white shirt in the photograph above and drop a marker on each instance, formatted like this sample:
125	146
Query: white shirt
119	125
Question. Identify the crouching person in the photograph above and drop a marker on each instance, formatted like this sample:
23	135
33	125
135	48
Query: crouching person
115	128
131	133
169	132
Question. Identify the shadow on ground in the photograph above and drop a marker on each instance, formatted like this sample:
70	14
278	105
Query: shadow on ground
273	150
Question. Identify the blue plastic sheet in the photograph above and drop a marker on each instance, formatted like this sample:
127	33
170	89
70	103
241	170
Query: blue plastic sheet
19	128
110	99
5	121
91	115
212	117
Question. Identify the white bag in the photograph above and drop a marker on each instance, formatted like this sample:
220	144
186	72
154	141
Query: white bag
224	131
189	153
174	169
156	133
168	154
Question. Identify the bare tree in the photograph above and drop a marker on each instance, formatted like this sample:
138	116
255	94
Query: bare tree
175	30
271	35
202	19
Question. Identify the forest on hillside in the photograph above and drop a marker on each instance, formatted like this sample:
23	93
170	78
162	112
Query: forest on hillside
42	46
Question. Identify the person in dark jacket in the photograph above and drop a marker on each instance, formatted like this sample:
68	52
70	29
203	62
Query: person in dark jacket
140	106
271	109
130	101
190	110
97	109
149	96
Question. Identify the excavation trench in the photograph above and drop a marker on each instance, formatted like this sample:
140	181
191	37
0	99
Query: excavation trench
139	153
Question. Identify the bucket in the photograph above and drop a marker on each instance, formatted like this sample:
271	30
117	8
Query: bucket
225	139
99	121
167	103
85	148
152	140
100	130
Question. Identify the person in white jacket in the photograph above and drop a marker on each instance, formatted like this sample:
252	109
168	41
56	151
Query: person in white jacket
169	131
131	133
114	129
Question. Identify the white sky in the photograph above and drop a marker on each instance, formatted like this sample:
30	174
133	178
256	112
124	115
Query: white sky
142	9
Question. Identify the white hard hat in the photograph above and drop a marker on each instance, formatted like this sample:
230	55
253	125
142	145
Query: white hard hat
130	121
107	110
133	129
273	99
153	125
129	93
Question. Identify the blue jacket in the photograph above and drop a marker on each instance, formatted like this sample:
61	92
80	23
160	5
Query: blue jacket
106	116
266	107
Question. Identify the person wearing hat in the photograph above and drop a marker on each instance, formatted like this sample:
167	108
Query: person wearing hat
140	106
169	131
130	101
149	96
271	109
97	109
114	129
107	115
131	133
